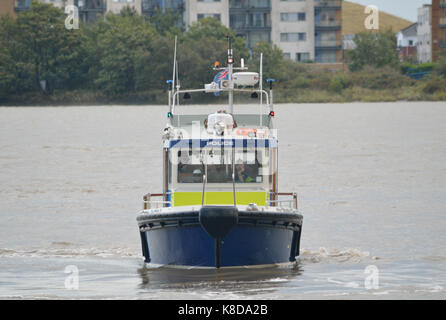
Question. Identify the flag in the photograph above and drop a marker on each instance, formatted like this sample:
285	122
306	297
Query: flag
219	77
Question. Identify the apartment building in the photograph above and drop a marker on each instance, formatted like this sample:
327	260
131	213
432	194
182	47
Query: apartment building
7	7
328	31
251	19
194	10
293	28
305	30
438	28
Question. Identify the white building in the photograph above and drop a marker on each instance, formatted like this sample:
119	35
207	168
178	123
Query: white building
289	24
292	28
407	37
199	9
424	34
407	40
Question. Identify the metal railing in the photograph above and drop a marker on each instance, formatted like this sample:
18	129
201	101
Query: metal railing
284	203
291	203
249	4
325	23
149	203
328	3
91	5
328	43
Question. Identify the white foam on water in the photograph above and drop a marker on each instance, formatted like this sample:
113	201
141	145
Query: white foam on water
350	255
67	251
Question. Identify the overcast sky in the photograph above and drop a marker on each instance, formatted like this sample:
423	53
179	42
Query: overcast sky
406	9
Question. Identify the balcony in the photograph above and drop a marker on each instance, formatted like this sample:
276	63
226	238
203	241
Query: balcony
149	6
21	5
249	4
332	4
98	6
241	23
443	23
328	44
247	27
328	25
442	3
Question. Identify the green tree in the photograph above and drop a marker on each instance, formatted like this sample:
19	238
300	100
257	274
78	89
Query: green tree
167	23
374	49
8	74
275	66
154	65
205	43
212	28
124	38
51	49
273	61
440	68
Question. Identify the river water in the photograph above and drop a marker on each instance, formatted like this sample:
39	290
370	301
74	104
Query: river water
371	180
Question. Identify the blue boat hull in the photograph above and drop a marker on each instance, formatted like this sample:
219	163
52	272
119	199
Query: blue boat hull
192	246
252	241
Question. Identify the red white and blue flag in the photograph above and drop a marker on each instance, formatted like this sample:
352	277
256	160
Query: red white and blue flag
219	77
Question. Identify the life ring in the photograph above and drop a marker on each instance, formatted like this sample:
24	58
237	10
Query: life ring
246	131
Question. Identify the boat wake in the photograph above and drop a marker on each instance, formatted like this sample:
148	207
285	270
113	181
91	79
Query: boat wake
327	255
67	250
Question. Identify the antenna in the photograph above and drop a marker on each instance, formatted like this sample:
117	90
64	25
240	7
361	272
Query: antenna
230	62
261	87
178	83
174	65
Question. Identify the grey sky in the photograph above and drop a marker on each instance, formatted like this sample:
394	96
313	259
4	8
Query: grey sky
406	9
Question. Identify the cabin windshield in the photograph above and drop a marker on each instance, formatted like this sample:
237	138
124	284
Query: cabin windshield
250	165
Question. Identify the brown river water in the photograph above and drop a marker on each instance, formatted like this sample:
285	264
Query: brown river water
371	181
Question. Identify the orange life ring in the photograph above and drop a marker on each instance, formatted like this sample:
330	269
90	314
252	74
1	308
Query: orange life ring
246	131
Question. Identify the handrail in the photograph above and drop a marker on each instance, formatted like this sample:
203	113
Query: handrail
277	202
147	201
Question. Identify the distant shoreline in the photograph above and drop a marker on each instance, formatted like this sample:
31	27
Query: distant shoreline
158	97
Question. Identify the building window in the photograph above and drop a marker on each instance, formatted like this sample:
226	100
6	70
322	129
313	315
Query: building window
252	20
293	37
208	0
208	15
293	16
302	56
287	55
256	37
326	57
122	1
237	21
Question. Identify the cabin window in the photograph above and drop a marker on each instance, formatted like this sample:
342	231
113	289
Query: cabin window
250	166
